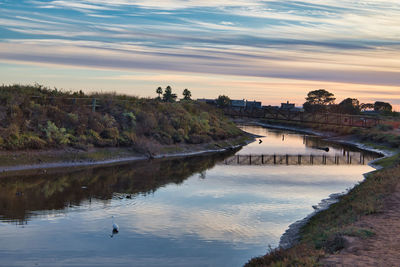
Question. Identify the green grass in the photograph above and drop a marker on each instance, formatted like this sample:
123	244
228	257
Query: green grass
389	161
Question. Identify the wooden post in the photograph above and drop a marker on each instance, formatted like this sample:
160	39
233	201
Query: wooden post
262	159
274	159
93	104
287	159
250	159
299	159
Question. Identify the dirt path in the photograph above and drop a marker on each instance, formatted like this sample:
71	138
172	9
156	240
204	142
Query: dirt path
383	249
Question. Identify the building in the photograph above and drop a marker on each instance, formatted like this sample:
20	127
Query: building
238	103
253	104
287	106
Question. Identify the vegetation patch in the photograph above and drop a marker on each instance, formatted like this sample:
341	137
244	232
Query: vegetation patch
35	117
389	161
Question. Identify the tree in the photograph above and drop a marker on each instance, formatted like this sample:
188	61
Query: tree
168	96
320	97
187	94
223	101
349	106
367	106
317	100
159	92
382	106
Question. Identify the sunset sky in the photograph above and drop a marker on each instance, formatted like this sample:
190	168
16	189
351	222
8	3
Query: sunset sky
268	50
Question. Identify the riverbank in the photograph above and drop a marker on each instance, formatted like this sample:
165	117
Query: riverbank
340	223
17	161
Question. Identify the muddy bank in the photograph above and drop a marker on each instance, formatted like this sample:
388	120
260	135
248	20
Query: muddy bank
34	160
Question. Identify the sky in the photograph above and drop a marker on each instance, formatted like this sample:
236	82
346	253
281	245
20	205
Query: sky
266	50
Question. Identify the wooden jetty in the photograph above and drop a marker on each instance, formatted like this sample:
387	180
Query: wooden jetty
287	159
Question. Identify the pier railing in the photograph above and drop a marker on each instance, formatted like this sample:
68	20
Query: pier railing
287	159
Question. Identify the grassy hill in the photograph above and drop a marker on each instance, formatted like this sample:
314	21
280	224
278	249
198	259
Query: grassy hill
36	117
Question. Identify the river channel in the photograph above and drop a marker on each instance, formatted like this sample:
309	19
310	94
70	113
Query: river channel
210	210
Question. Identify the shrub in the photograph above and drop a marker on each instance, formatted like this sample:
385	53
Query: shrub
127	138
385	127
110	133
24	141
94	137
32	141
56	135
130	118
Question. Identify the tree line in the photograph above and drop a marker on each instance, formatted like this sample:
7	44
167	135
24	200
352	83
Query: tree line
168	96
319	100
323	101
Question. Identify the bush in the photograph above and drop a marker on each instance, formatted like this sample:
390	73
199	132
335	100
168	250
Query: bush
24	141
334	243
33	142
385	127
56	135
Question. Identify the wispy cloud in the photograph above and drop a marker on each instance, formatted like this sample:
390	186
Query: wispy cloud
354	42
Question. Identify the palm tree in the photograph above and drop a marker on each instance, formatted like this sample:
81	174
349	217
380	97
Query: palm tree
159	92
168	96
187	95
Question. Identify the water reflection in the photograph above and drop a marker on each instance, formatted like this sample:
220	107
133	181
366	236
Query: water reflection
172	212
288	142
22	195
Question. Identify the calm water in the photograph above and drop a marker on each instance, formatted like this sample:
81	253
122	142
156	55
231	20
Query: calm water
176	212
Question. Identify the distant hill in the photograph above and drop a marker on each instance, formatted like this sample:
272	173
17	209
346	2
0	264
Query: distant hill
36	117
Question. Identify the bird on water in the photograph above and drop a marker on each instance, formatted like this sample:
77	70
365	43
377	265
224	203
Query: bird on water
115	227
